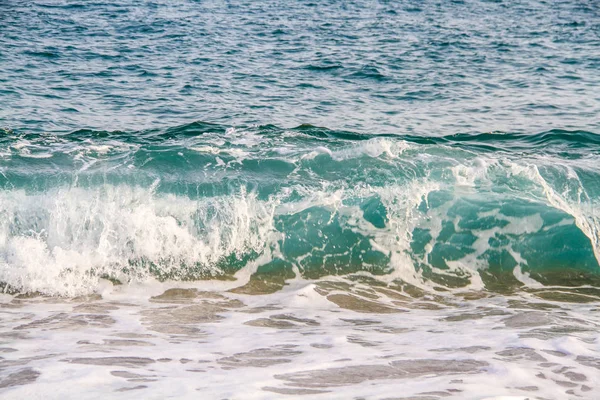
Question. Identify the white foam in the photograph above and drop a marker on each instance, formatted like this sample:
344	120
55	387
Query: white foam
323	347
100	149
206	149
374	148
473	174
65	239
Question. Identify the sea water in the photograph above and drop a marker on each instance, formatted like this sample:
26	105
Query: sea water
363	199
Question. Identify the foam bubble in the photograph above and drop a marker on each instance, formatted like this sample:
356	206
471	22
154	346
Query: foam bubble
61	242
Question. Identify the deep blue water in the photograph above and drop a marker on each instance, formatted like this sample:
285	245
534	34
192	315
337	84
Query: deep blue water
425	67
440	141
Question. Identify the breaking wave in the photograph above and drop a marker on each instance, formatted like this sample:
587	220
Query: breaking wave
203	201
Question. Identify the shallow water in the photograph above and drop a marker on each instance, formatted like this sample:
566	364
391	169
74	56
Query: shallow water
364	199
316	340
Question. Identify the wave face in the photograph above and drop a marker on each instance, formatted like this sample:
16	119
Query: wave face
499	211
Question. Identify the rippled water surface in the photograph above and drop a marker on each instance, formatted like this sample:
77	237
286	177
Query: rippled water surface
426	67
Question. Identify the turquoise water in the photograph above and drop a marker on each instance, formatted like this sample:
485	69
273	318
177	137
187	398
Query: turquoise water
445	144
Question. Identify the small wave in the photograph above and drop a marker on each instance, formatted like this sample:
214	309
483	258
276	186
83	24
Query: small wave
324	67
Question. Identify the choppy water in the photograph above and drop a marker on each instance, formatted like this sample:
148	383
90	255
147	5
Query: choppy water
427	67
429	160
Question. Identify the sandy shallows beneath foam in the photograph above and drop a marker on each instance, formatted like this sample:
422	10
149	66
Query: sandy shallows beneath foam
327	340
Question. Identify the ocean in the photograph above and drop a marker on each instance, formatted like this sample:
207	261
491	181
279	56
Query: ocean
294	199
